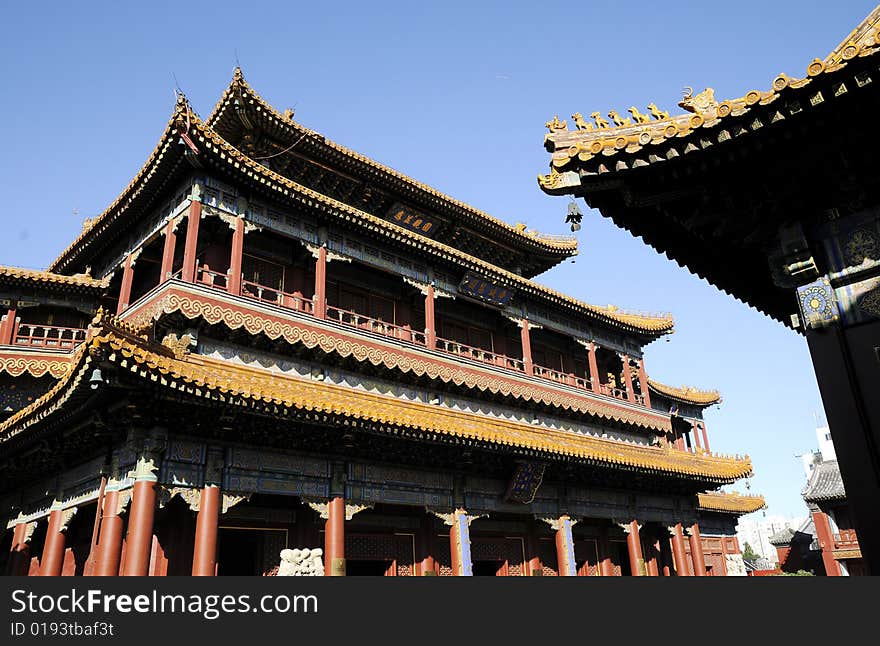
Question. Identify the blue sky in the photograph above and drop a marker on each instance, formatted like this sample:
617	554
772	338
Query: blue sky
456	95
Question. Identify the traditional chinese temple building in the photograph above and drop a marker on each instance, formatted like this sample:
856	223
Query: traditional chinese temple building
773	198
269	341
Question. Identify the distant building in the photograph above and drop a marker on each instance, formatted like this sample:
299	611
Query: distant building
826	499
757	532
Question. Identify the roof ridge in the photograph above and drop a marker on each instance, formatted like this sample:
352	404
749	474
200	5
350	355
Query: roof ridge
558	241
662	323
181	107
591	140
686	393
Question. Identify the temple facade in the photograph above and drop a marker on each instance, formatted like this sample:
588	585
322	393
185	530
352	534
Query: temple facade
270	342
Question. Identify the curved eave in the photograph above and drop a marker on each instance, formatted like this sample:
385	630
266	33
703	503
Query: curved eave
685	394
730	503
223	383
236	162
37	280
601	154
158	163
556	248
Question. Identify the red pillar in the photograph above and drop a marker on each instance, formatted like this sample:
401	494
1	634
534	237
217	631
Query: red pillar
7	327
826	543
234	282
167	267
643	383
651	565
20	551
334	538
205	549
109	547
125	289
565	559
139	539
430	329
705	437
695	431
321	283
594	367
533	554
634	547
606	564
697	551
192	240
627	378
525	337
678	552
53	548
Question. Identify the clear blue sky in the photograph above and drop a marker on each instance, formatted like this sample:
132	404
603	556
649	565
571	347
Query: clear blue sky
455	94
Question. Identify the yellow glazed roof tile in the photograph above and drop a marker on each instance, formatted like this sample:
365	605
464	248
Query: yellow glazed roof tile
36	276
686	394
232	384
734	503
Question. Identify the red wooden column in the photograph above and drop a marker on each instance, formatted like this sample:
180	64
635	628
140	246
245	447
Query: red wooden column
192	240
7	327
627	378
705	437
334	538
695	430
430	326
526	339
826	543
139	539
652	566
233	284
109	546
53	548
320	298
167	267
205	549
697	550
20	551
606	564
125	288
634	547
594	367
565	547
643	383
678	551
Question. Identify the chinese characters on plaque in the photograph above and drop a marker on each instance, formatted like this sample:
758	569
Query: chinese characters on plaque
412	220
484	289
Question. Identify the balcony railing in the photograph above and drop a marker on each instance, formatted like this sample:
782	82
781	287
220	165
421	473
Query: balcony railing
377	326
48	336
846	540
211	278
298	302
294	301
479	354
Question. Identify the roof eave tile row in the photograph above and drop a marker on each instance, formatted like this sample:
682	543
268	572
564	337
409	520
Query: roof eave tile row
686	394
613	150
236	385
562	246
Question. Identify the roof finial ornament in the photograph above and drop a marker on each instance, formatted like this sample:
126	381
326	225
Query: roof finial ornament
600	122
581	123
657	113
638	116
618	120
555	125
700	104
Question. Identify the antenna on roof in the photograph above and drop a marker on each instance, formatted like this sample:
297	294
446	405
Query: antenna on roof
177	90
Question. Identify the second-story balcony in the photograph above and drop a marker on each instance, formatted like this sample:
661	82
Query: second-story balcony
49	337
